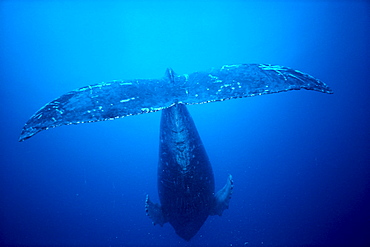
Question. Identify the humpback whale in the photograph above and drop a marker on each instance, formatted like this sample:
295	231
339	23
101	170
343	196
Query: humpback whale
185	177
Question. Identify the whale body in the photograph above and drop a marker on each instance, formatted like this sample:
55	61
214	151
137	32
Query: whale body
185	177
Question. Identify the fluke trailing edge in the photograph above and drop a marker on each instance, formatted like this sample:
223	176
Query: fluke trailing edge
185	177
117	99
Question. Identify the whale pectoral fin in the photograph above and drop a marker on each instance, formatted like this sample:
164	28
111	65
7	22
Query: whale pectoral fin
154	211
222	197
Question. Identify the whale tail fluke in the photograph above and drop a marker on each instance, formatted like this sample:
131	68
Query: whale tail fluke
117	99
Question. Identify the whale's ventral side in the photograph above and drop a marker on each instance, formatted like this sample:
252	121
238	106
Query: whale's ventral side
185	178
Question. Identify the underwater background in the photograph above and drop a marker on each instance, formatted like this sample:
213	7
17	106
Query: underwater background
300	160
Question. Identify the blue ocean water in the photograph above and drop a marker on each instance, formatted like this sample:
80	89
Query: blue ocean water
299	159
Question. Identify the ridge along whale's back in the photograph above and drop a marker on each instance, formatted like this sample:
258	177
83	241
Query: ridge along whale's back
185	177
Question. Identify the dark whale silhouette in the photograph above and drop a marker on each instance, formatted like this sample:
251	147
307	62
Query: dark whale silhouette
185	177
